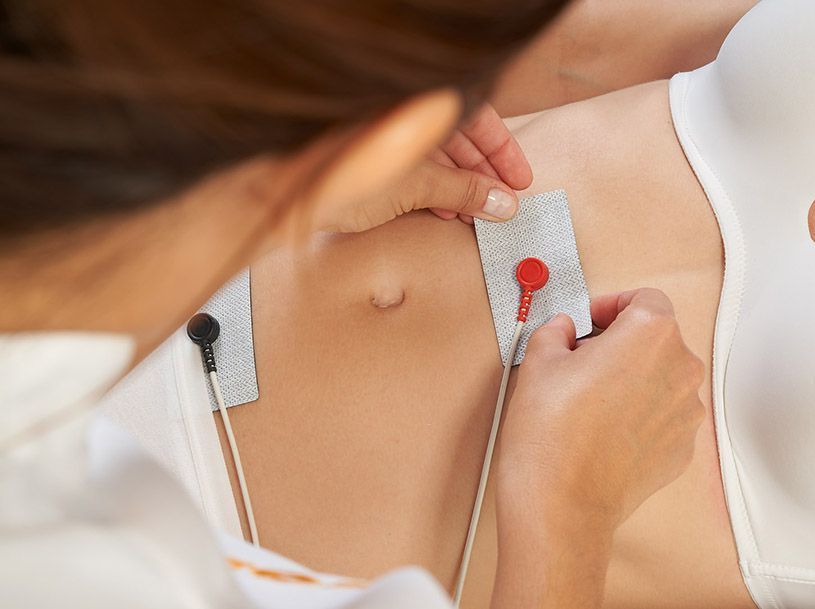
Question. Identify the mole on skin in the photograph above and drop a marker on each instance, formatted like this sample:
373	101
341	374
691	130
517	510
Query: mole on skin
387	297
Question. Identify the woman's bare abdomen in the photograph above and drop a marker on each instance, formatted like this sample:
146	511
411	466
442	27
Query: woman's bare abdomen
378	368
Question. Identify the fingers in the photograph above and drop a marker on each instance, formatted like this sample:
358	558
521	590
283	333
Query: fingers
606	309
449	190
443	158
467	155
485	144
557	336
444	214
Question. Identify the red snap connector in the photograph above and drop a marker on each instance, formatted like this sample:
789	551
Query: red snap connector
532	274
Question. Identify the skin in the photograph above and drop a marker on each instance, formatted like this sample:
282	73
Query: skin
599	46
397	399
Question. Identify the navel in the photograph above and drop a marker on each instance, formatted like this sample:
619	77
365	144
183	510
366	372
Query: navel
387	297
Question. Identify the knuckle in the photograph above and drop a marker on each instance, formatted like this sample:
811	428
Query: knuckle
666	333
657	300
688	375
654	309
653	294
419	185
657	322
693	413
696	371
639	315
469	194
699	412
666	326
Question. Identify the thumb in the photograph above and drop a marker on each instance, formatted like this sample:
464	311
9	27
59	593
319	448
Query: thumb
466	192
558	335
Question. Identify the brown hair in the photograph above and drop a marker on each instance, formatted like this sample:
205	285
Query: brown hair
108	105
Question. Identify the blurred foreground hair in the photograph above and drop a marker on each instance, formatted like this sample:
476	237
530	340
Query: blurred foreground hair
109	105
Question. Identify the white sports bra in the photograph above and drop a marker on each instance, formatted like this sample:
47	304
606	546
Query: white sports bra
747	125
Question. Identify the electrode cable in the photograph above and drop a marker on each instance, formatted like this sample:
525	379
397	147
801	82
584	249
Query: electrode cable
236	458
532	274
203	329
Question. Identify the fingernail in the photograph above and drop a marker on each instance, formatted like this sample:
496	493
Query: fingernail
499	204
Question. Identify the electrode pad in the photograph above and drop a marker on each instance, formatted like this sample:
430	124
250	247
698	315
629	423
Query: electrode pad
541	229
235	348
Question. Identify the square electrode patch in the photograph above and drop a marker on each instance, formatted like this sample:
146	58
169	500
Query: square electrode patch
543	229
235	348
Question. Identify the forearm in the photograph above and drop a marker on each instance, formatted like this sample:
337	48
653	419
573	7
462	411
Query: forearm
558	561
596	47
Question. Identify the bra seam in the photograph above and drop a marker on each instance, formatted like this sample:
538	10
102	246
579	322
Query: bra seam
782	572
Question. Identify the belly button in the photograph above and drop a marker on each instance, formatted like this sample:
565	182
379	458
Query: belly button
386	298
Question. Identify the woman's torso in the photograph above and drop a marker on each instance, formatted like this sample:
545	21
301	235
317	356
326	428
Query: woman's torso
364	449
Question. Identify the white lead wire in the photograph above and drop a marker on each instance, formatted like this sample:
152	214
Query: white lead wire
236	458
485	468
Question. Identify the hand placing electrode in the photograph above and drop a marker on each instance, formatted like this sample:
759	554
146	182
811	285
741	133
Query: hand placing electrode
579	453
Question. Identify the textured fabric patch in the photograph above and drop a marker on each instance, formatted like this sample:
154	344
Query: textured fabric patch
235	347
543	229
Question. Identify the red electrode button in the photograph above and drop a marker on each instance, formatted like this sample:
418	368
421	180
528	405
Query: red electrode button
532	274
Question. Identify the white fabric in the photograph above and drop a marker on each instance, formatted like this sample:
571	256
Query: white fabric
88	520
406	588
747	125
164	403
